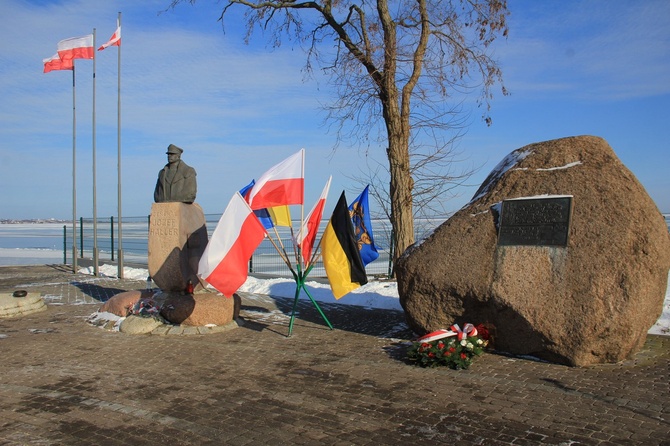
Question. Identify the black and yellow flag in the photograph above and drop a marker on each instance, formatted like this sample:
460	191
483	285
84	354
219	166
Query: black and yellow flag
341	257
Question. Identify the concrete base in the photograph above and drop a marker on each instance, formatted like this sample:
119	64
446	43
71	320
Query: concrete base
11	306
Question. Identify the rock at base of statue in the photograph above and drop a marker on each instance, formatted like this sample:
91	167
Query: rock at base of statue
134	324
590	301
177	239
21	303
200	309
122	304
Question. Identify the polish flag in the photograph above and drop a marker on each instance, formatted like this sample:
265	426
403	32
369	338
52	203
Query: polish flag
224	263
76	48
310	226
283	184
115	40
55	63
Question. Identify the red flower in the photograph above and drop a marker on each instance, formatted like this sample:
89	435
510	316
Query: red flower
463	356
431	355
447	353
452	349
425	345
483	332
440	345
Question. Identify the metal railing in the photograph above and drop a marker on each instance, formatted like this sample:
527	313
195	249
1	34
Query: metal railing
265	259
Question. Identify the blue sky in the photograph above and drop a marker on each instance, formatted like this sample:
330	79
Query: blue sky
572	67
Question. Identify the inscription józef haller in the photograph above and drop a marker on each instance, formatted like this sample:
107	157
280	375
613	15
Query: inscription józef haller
163	224
535	221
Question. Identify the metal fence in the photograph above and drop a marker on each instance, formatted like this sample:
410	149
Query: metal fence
265	260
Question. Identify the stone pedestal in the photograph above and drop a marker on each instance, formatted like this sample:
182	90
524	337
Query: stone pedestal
177	239
201	309
11	306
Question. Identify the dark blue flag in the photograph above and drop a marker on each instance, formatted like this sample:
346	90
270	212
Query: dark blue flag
359	211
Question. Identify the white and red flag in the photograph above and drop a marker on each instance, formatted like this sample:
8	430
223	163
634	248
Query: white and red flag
283	184
224	263
55	63
310	227
115	40
76	48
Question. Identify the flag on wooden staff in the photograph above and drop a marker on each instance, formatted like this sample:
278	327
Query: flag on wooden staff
282	185
224	263
359	210
310	227
270	217
341	258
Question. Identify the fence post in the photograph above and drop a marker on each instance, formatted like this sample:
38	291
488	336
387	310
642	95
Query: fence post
64	245
111	224
81	237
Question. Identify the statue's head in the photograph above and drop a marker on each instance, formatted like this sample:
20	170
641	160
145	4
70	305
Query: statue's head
173	153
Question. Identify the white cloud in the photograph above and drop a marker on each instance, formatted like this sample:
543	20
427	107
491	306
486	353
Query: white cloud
239	109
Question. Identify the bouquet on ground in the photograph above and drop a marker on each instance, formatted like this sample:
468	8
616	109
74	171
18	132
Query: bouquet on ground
454	348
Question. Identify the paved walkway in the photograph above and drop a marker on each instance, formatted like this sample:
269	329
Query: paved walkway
64	381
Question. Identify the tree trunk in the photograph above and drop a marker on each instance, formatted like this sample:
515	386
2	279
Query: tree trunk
402	218
401	185
396	119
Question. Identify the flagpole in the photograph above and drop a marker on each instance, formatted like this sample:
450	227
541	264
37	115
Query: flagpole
74	176
118	139
95	211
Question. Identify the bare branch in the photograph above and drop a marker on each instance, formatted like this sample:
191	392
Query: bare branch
401	76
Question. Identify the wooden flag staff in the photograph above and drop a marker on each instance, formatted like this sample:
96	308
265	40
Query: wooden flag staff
300	277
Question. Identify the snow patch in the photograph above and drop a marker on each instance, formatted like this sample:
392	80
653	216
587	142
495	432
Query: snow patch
567	166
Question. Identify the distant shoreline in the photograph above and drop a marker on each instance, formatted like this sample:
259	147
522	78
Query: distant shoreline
11	221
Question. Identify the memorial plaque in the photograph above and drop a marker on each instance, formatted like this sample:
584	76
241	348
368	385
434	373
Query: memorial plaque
535	221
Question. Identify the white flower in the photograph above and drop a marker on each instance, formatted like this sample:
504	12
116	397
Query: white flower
479	342
463	342
469	346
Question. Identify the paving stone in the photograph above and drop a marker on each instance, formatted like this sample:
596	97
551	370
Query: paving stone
80	384
190	331
161	330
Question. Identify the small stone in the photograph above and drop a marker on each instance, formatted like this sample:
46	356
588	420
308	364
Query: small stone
139	325
122	304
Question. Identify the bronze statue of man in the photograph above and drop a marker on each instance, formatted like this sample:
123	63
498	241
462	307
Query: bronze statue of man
176	181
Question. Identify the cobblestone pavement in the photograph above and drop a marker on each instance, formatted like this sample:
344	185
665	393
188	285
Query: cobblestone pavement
64	381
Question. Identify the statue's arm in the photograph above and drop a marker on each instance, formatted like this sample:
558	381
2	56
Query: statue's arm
158	190
190	186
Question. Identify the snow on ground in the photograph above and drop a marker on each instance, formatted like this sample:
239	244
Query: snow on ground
376	294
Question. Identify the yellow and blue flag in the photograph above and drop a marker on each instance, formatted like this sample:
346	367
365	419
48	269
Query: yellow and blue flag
270	217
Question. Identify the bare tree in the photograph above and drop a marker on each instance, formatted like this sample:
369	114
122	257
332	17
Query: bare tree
396	65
